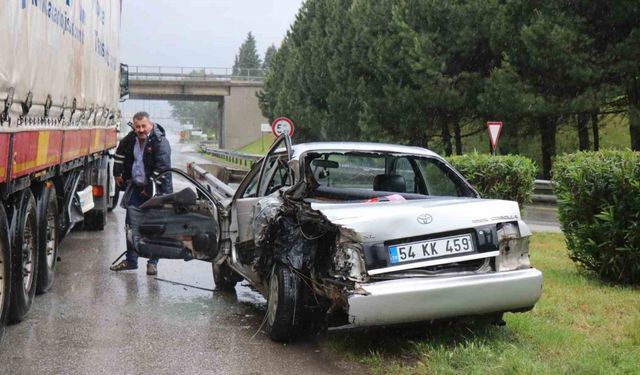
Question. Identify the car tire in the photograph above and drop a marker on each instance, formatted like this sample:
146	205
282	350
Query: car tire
284	304
48	237
25	256
224	277
5	271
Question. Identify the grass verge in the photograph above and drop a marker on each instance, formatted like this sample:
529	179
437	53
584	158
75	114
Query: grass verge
580	325
261	146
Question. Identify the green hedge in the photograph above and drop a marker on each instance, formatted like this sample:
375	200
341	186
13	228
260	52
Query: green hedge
599	208
508	177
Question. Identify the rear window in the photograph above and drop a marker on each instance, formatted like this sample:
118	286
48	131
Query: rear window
347	171
385	172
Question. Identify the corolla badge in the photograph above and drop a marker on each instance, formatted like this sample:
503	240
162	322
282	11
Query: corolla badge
425	218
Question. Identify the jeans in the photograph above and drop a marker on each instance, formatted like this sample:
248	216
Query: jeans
136	199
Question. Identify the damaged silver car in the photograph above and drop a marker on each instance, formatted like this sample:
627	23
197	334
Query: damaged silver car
350	234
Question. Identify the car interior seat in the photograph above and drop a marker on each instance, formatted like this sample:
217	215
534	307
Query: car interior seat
389	182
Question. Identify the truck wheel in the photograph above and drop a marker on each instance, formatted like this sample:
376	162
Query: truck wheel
284	304
25	257
5	271
224	277
48	238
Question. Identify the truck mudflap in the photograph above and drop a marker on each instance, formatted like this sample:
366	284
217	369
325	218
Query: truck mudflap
72	210
424	299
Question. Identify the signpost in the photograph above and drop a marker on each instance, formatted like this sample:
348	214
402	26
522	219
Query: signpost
282	125
494	128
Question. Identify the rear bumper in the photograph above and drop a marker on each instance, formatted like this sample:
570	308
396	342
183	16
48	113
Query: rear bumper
416	300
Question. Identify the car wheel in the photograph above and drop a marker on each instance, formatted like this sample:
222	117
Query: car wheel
224	277
5	271
284	304
48	237
25	257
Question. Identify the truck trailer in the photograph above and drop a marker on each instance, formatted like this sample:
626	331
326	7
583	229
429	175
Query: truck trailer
59	115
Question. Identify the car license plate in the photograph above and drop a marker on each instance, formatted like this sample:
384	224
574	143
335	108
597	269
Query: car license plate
429	249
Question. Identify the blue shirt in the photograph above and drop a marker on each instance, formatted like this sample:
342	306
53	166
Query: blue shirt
137	171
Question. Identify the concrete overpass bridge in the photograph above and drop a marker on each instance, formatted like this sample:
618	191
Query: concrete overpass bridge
240	115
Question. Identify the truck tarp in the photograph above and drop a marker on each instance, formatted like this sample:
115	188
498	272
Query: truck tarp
64	49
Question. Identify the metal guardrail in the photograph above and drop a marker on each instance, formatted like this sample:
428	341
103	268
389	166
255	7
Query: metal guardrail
239	158
182	73
220	189
543	192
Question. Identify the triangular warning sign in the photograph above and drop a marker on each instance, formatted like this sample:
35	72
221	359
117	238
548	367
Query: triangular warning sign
495	128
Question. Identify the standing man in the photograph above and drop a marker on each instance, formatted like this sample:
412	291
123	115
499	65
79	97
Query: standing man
141	154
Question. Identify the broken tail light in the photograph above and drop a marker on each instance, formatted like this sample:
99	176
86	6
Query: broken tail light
514	247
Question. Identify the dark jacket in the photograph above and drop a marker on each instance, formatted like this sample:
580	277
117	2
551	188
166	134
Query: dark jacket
157	157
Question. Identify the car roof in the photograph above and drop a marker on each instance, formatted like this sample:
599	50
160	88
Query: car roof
302	148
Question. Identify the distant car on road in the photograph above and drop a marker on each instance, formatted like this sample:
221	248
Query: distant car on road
351	234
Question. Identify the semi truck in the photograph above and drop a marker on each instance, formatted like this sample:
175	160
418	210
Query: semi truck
59	114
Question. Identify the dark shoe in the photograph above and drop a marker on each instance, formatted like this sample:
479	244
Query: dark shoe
124	266
152	269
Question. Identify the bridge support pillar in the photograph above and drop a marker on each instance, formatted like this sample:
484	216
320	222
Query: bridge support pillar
241	117
221	128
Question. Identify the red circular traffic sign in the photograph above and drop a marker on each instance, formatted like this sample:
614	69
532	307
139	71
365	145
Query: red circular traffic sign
282	125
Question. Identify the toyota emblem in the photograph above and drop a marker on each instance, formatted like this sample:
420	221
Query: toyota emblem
425	219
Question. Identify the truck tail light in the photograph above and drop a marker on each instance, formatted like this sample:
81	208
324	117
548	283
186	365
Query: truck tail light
98	190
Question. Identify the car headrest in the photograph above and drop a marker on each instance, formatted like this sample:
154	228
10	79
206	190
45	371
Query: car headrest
389	182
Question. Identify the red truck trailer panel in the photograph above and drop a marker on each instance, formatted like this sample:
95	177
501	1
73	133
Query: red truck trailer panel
76	144
35	150
4	156
111	138
97	140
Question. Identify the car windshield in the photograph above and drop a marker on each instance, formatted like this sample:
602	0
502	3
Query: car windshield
387	172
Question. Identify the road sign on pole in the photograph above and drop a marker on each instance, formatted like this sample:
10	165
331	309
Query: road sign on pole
282	125
495	128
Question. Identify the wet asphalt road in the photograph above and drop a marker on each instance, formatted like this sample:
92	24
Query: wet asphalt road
95	321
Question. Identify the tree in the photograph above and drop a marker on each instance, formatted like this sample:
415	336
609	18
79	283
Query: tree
451	57
615	31
415	71
247	62
268	56
310	77
549	56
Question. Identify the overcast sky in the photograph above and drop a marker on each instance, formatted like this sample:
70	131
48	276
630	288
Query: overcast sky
197	33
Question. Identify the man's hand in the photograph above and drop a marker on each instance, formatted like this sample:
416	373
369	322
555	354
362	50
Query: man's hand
119	181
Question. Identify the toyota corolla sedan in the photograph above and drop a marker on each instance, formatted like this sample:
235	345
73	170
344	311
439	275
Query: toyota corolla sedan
350	234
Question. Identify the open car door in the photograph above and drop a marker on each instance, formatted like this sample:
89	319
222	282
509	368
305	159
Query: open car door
270	174
182	225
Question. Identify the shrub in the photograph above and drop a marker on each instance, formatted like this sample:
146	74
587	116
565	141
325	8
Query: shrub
599	208
508	177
